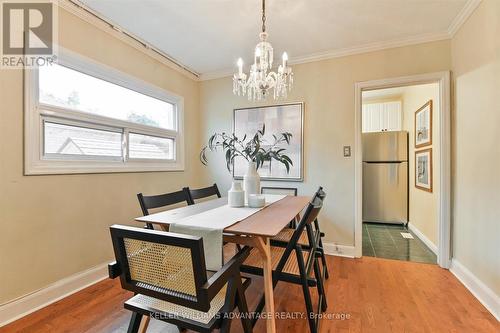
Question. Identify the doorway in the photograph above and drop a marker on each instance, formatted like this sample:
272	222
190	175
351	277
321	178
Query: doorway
404	200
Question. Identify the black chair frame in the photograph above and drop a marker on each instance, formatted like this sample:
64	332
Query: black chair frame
194	194
294	189
304	279
320	249
206	288
161	200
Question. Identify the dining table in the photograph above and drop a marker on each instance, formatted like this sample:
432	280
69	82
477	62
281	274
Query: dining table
255	231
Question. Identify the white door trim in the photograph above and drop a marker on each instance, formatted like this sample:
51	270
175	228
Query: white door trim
443	78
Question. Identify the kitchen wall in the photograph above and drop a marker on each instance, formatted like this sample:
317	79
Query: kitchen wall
423	205
476	144
327	88
55	226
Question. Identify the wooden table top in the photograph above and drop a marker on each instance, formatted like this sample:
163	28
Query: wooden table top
267	222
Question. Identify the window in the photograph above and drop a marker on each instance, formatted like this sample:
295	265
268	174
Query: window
83	117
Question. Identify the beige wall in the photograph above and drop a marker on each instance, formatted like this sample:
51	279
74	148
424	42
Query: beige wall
423	204
476	144
327	88
55	226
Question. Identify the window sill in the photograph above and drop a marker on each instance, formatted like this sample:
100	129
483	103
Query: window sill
60	168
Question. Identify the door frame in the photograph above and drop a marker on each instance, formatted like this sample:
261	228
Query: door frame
444	139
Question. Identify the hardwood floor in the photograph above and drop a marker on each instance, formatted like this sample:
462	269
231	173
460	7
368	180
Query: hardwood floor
373	294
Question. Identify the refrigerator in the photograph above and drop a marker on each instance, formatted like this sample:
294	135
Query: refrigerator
385	177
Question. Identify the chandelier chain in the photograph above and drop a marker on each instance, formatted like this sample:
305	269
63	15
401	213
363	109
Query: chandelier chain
263	15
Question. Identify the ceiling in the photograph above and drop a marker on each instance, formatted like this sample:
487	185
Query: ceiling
208	36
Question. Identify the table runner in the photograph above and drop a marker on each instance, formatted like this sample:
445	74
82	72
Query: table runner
210	224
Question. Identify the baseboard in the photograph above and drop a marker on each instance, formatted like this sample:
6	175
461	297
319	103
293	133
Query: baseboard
423	238
482	292
38	299
339	250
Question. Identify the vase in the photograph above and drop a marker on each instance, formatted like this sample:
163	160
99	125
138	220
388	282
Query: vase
251	180
236	195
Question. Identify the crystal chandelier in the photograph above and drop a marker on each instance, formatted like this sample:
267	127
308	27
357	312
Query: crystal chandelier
261	80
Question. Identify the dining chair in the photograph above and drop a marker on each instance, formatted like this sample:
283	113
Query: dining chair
294	264
202	193
161	200
283	191
167	273
278	190
283	238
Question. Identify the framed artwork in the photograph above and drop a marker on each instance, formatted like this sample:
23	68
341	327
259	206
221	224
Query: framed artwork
423	125
423	169
278	119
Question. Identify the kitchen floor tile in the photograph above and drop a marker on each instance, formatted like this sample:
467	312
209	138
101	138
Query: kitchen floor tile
386	241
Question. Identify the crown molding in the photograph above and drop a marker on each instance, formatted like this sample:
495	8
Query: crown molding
88	15
217	74
370	47
464	14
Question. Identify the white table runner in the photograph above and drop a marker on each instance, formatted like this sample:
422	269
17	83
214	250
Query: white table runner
210	224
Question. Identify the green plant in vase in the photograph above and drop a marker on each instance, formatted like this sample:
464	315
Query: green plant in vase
256	150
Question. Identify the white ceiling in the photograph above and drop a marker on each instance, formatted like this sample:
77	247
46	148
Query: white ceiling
208	36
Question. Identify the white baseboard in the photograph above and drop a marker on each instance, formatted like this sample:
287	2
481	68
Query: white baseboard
38	299
482	292
423	238
339	250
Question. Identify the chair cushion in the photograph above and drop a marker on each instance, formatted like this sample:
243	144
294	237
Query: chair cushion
286	234
291	265
168	309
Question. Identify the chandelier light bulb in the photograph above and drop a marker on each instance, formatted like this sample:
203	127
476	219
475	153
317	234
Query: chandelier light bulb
285	59
240	66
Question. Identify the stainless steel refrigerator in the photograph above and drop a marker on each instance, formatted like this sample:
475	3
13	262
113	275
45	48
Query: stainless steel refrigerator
385	177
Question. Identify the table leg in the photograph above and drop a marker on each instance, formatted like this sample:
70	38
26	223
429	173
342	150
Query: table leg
144	324
264	247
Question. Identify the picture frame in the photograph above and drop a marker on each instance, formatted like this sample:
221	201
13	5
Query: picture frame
423	169
423	125
277	118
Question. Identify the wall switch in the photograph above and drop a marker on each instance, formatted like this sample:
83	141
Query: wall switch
347	151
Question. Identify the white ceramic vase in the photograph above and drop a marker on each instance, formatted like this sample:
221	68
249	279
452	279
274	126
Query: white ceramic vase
236	195
251	180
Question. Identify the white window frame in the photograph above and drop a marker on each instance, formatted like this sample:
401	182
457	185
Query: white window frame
35	113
